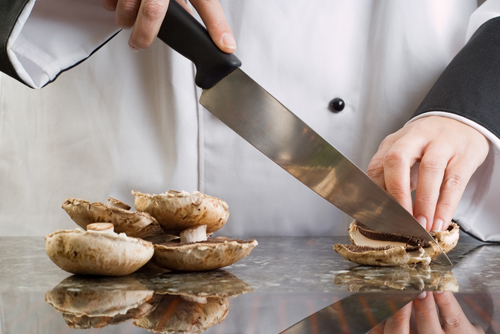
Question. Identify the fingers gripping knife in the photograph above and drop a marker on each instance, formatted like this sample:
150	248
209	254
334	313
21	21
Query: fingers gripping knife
253	113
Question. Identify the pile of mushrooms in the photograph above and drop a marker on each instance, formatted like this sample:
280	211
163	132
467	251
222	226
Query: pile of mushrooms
390	249
167	232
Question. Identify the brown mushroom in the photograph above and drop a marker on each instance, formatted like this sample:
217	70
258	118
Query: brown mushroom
181	314
203	255
133	224
390	249
177	211
90	302
98	251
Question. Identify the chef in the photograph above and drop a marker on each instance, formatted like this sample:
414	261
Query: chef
408	90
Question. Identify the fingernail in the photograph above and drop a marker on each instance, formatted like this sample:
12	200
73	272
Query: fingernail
422	220
133	48
422	295
438	292
438	225
228	41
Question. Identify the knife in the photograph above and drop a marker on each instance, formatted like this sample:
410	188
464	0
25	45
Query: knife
254	114
358	313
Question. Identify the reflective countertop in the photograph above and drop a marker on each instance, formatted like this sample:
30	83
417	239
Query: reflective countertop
283	280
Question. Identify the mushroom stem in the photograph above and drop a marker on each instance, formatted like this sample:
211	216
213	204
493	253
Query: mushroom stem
194	234
199	300
101	227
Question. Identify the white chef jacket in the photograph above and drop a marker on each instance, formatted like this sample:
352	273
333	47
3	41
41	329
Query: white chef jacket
123	121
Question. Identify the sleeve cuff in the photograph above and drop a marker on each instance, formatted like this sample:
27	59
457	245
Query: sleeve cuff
51	36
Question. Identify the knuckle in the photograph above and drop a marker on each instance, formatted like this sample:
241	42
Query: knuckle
153	10
454	182
425	200
375	168
431	165
394	159
129	8
453	322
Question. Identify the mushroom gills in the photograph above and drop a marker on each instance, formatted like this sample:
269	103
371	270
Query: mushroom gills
392	249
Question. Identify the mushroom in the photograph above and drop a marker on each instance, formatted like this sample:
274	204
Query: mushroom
192	216
177	211
203	255
90	302
181	314
397	278
133	224
98	251
391	249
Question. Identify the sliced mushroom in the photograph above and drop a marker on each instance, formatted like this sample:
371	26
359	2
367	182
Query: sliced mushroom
91	302
98	251
133	224
177	314
447	239
390	249
178	211
203	255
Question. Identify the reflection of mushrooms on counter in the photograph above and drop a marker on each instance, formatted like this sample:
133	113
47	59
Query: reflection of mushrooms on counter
391	249
192	216
184	314
95	302
98	251
397	278
133	224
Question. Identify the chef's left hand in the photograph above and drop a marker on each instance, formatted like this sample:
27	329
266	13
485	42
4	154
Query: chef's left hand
449	152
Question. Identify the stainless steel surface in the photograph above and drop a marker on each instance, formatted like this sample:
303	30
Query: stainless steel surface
264	122
357	313
291	278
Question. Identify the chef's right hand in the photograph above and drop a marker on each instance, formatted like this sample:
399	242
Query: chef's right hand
146	16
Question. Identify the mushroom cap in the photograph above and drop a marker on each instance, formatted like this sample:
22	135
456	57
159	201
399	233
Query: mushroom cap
374	256
133	224
177	211
203	255
89	302
97	253
176	314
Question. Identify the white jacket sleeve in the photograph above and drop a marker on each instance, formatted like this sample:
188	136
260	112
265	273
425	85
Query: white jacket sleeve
51	36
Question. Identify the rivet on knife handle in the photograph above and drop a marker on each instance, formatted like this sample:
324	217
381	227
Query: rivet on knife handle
183	33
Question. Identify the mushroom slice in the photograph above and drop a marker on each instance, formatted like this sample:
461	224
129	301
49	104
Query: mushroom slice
97	252
447	239
133	224
391	249
203	255
177	211
177	314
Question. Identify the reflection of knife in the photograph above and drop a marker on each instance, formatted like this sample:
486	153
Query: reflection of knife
357	313
239	102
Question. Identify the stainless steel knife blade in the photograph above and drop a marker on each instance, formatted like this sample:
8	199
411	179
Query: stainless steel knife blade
358	313
264	122
254	114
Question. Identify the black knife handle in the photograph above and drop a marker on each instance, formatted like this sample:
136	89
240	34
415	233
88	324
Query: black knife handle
183	33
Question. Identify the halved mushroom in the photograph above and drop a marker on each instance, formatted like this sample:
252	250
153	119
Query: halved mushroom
180	314
177	211
133	224
203	255
98	251
390	249
88	302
